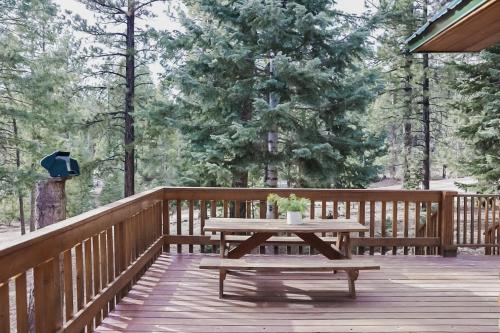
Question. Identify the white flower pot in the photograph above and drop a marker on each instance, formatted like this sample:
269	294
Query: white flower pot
294	218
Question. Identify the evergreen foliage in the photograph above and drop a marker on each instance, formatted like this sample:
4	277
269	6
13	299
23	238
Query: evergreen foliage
224	84
332	97
480	108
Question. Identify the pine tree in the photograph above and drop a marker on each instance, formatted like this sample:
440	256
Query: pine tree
35	90
413	103
224	86
480	107
121	46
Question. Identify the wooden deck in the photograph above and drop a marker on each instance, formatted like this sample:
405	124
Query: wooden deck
408	294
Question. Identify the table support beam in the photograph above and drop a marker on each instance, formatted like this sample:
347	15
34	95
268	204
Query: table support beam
322	247
248	245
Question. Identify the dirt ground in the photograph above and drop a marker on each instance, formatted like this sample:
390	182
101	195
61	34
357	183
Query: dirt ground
9	233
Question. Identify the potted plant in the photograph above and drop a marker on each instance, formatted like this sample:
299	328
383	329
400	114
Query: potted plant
293	205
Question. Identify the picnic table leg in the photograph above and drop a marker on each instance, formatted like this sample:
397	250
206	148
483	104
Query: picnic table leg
348	246
340	241
352	277
222	277
222	272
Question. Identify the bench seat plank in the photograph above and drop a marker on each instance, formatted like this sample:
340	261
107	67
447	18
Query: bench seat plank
284	264
351	267
271	240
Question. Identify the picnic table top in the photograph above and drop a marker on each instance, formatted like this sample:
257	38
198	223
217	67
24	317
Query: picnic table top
280	225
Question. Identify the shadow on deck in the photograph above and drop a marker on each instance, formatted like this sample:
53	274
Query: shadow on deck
408	294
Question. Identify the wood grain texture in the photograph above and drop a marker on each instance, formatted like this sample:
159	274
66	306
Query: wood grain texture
4	308
279	225
248	245
356	241
21	304
285	264
409	294
329	251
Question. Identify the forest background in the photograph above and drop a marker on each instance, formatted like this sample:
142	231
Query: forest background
236	93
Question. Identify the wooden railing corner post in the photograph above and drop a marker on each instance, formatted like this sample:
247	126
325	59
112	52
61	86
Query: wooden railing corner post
166	225
448	248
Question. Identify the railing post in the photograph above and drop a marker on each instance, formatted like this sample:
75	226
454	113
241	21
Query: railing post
448	248
166	224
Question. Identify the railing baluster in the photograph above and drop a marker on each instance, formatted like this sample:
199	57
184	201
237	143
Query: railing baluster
372	225
237	206
68	284
166	224
225	208
457	230
48	307
487	225
262	215
191	219
202	213
88	269
494	238
464	229
323	216
383	225
4	307
312	210
213	208
428	224
118	239
249	209
97	273
80	292
406	224
417	225
110	252
361	220
179	223
104	267
394	225
21	304
479	227
497	226
472	220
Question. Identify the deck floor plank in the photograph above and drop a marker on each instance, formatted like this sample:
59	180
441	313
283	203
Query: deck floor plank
408	294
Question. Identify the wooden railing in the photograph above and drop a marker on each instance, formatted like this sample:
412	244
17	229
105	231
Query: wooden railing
393	217
68	276
477	221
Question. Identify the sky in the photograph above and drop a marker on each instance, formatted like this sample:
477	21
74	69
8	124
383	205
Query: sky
163	21
350	6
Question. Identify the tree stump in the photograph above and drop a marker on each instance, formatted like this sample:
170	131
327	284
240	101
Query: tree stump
50	202
50	207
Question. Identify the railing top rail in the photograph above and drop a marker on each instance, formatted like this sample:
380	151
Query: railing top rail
477	195
21	254
223	193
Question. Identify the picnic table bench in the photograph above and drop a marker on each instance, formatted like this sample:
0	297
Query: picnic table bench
265	229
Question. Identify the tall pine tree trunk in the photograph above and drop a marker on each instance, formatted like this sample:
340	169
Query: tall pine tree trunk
426	114
18	166
32	208
129	138
271	176
407	114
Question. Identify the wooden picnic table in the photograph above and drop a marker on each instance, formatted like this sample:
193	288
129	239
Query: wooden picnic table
263	229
